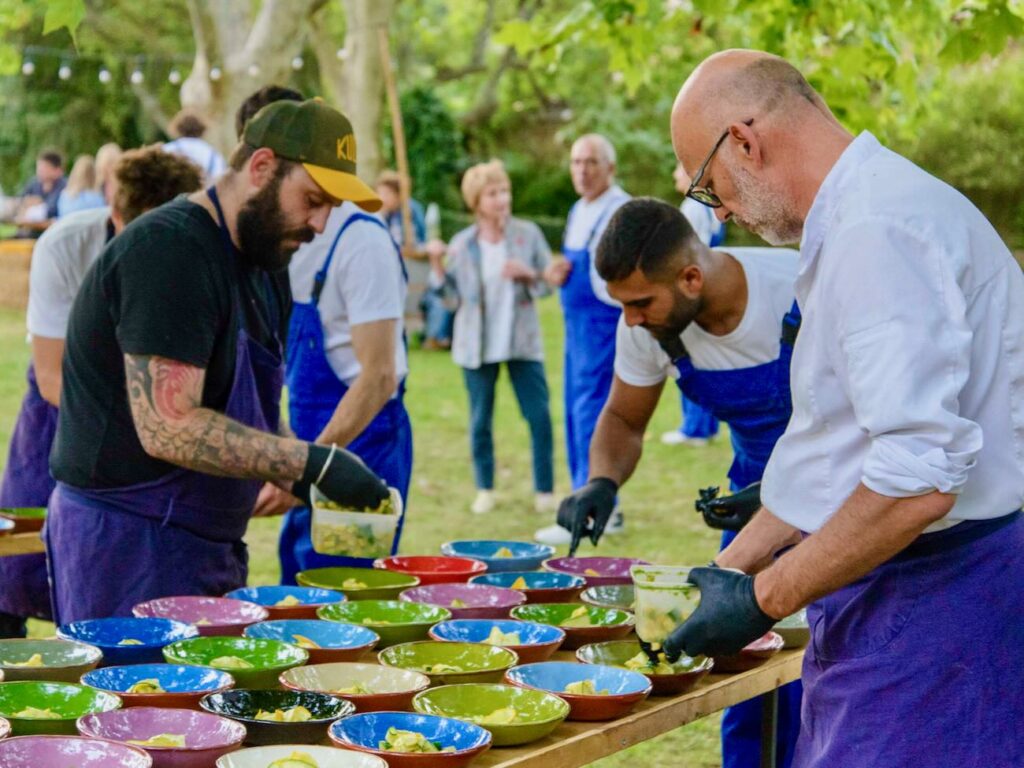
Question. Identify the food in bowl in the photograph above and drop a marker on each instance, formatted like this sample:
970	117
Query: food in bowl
397	740
578	618
642	663
297	714
585	688
173	740
35	660
230	662
497	637
295	760
502	716
149	685
34	713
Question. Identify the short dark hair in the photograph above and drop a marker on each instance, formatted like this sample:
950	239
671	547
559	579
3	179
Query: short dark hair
149	177
257	101
645	234
52	156
187	123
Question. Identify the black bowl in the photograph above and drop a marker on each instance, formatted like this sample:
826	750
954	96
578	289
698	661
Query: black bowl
242	706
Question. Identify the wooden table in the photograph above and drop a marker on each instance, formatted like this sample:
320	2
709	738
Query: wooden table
20	544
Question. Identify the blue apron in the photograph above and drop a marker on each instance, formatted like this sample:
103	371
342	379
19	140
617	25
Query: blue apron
314	391
755	402
590	326
181	534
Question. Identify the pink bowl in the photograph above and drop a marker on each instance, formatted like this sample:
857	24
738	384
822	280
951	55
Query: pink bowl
211	615
47	751
431	569
481	602
753	655
207	736
602	570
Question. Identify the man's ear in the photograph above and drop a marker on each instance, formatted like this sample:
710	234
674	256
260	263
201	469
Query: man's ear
262	165
117	220
748	143
690	281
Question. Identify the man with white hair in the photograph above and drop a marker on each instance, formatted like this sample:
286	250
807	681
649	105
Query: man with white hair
899	480
591	315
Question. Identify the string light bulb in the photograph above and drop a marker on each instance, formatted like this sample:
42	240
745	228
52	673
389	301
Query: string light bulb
215	73
174	77
253	70
28	67
64	73
105	76
297	63
137	78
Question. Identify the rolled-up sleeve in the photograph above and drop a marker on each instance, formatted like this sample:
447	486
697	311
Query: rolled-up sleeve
906	345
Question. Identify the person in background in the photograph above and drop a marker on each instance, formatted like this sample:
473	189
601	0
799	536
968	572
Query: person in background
106	159
142	179
699	425
188	129
437	318
80	193
496	269
591	315
258	100
38	207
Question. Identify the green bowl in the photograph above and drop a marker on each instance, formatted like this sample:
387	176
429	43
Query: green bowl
476	662
538	713
380	584
685	674
794	630
604	623
395	621
63	661
67	700
269	658
621	596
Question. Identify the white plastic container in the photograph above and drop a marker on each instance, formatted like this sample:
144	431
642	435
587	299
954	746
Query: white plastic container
664	600
352	532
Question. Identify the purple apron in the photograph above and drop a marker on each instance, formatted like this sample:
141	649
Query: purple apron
27	483
918	663
181	534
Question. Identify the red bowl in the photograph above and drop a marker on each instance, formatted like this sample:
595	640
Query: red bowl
432	569
753	655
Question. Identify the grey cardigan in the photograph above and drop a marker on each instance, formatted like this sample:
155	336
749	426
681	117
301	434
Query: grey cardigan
464	284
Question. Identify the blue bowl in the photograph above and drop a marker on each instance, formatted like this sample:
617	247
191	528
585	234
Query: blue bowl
309	599
553	676
183	684
335	641
365	731
526	556
108	634
6	526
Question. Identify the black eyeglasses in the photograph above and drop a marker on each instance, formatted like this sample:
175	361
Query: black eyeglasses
704	195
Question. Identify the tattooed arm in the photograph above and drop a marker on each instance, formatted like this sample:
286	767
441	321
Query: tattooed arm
166	403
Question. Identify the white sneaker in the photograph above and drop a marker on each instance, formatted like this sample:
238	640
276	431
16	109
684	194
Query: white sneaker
545	502
556	535
675	437
483	503
616	524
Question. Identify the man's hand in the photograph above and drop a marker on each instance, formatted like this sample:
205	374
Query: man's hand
557	272
342	477
587	511
272	501
727	618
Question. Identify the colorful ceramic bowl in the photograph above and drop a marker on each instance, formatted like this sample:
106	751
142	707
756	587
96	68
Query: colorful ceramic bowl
254	663
467	601
128	640
359	583
325	641
684	675
60	751
449	663
538	586
625	689
501	555
207	736
5	728
537	642
6	526
536	713
35	707
598	571
622	596
323	757
794	630
430	569
371	687
182	685
581	623
283	602
62	661
365	732
25	519
753	655
394	621
244	706
210	615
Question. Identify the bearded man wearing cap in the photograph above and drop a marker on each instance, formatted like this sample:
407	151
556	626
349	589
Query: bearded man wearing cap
173	371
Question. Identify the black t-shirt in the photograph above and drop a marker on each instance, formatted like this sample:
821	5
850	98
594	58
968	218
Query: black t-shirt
166	286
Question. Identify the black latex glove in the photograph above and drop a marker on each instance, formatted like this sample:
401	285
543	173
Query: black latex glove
729	513
587	511
727	618
346	480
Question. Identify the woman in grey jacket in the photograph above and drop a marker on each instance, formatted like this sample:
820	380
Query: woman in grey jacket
494	271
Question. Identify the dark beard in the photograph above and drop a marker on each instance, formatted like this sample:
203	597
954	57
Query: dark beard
261	229
683	312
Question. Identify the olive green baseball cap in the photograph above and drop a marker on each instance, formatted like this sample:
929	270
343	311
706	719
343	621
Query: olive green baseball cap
319	137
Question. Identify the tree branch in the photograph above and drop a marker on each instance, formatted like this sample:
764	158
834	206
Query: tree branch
478	59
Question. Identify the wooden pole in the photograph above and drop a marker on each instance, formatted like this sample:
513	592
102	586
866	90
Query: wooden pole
398	131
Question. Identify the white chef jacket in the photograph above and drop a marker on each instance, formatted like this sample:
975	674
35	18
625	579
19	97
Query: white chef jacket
580	231
908	373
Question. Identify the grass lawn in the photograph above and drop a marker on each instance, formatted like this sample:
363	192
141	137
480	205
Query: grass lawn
662	525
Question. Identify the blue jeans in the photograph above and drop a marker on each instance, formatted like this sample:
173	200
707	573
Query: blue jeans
531	388
437	318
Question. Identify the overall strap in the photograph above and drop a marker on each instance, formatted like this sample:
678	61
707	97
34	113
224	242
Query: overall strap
568	221
675	349
605	213
791	325
321	276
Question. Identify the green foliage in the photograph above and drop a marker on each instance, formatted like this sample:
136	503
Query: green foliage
63	13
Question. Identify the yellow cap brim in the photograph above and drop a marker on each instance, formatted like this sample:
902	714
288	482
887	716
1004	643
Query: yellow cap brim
344	186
